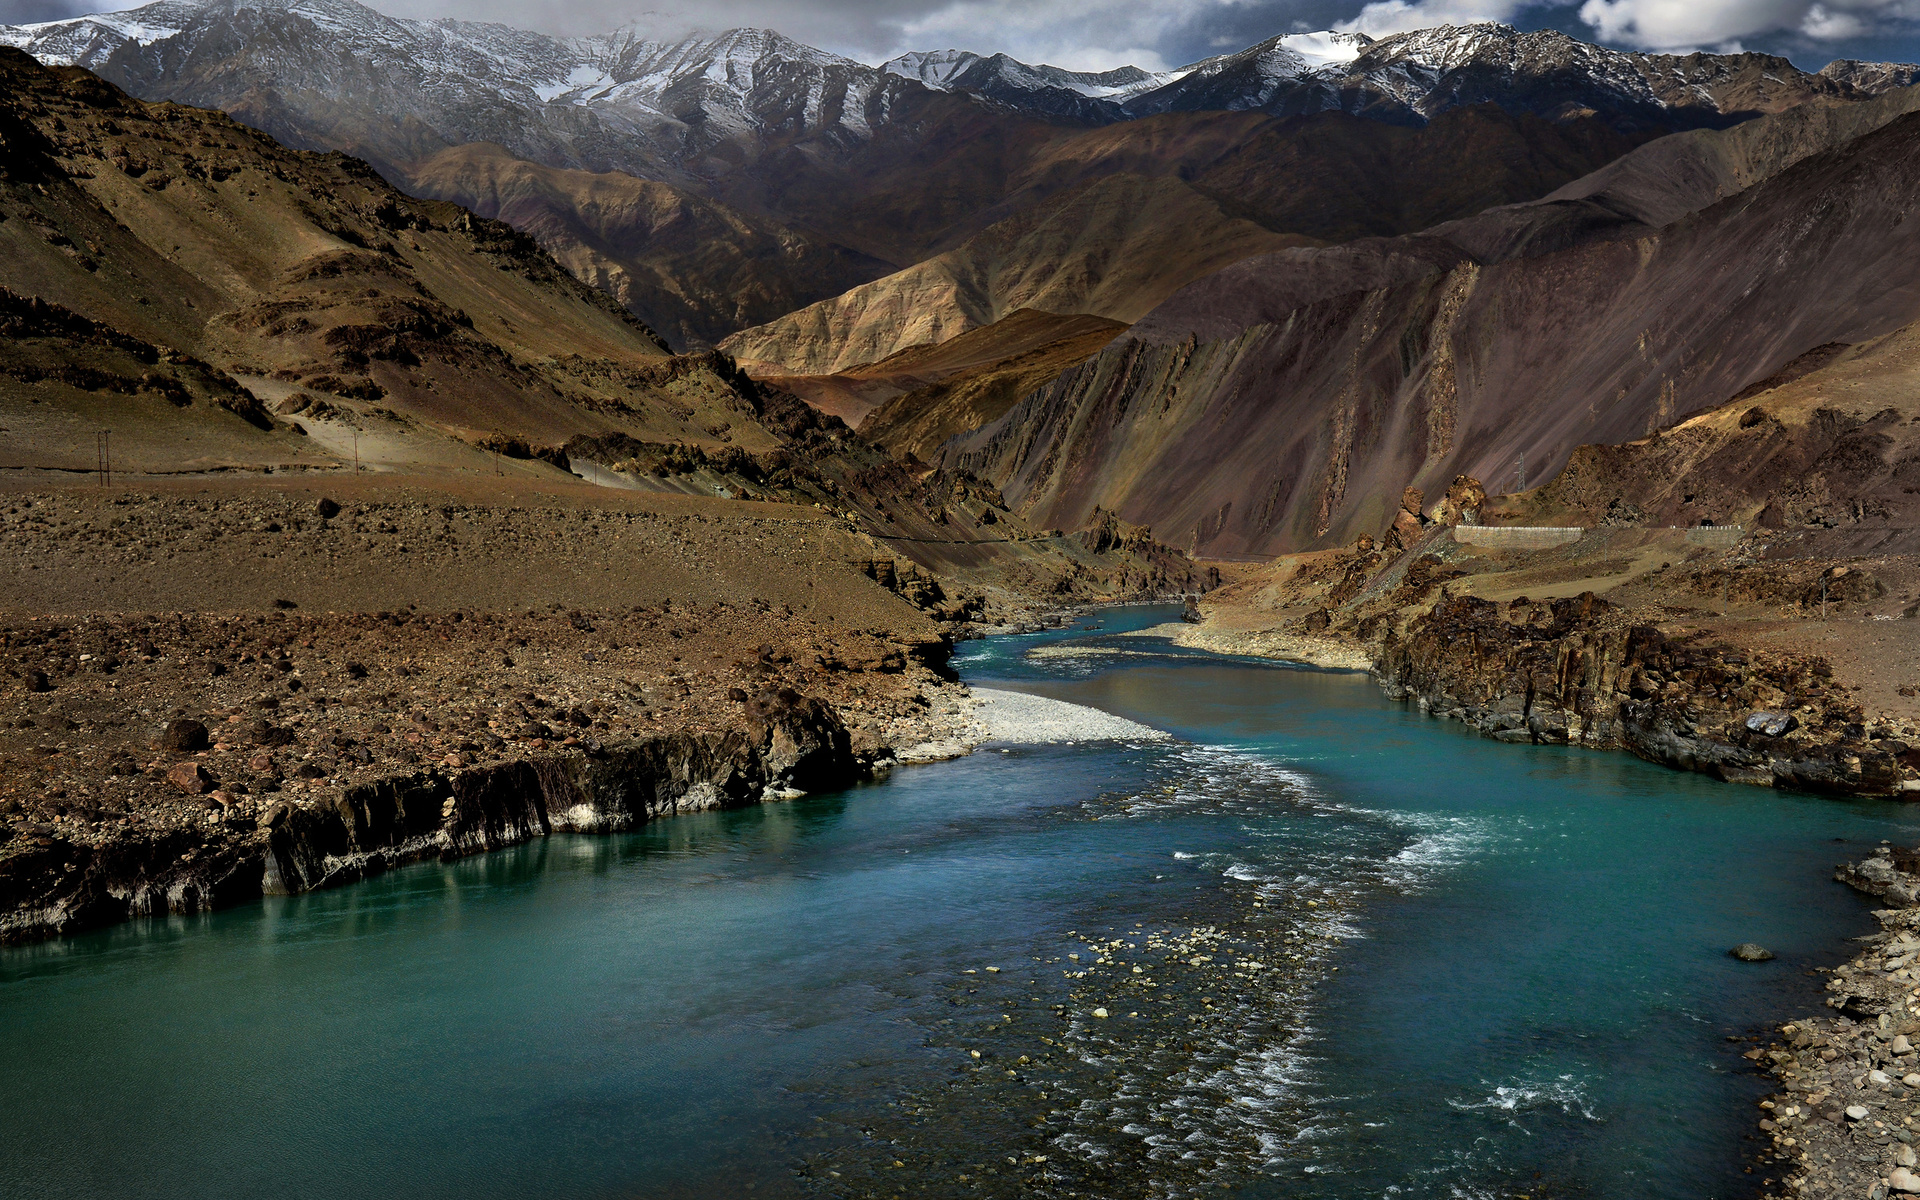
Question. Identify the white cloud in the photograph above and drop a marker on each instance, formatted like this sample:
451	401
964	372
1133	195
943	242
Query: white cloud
1078	35
1397	16
1686	24
1089	35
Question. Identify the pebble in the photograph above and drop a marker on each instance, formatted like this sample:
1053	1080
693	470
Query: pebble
1101	1013
1880	1077
1903	1180
1856	1112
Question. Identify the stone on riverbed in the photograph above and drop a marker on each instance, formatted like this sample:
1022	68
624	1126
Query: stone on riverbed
1751	952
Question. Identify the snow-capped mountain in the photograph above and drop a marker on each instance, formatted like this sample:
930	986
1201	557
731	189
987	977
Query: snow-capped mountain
793	173
1052	91
578	99
339	74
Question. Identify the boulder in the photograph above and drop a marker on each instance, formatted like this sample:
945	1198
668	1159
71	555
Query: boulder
1751	952
1772	724
191	778
184	737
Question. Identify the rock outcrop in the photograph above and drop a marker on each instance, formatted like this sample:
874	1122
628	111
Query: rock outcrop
1574	671
790	745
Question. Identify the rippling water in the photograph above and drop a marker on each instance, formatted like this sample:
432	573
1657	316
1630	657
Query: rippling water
1342	951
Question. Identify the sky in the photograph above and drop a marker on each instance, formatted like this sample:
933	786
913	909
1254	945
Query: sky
1156	34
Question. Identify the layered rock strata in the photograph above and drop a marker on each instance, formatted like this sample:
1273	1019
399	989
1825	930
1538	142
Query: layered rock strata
57	884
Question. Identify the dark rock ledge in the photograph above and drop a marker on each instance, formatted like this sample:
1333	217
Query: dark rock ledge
1576	671
59	886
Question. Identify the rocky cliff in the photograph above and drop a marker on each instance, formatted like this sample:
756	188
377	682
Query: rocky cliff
58	885
1574	671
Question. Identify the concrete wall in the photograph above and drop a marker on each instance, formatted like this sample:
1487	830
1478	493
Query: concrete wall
1516	537
1720	537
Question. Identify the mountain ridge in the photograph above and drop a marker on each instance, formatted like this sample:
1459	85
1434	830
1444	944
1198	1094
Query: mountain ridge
1286	402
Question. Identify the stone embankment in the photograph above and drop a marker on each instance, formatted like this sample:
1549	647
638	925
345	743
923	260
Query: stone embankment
1577	671
1843	1123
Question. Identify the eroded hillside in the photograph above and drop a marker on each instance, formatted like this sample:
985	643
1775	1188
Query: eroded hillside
1276	405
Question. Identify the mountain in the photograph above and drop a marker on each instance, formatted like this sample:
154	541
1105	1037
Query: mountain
854	394
1825	447
1415	76
1287	401
1111	221
1114	248
1090	96
971	380
1119	245
716	183
337	74
220	305
169	273
693	269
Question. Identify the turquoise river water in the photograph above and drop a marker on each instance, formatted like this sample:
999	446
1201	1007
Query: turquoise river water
1376	956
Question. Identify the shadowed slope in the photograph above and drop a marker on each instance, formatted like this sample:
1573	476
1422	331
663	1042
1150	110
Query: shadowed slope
1280	404
694	269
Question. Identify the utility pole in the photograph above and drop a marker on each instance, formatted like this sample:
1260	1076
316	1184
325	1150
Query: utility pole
1823	597
103	457
1520	480
356	449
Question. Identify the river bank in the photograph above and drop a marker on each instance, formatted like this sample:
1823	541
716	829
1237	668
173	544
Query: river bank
1844	1122
186	762
219	690
1758	689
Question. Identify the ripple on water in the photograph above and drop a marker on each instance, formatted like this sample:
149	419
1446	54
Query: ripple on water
1201	1072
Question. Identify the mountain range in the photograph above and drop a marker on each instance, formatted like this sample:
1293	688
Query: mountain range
718	182
1246	303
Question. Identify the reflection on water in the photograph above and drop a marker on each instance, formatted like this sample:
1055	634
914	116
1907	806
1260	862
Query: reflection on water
1342	951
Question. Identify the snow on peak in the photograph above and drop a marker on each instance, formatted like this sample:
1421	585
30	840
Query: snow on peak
1326	48
935	68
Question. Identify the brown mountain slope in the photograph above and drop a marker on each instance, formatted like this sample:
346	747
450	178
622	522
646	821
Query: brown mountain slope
694	269
1644	190
917	422
158	257
164	271
1113	249
1289	425
855	393
1827	451
1111	221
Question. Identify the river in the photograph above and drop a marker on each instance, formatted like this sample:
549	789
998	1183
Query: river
1342	951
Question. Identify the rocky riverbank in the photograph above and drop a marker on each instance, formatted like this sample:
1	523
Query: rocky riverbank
1580	671
1843	1123
188	761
